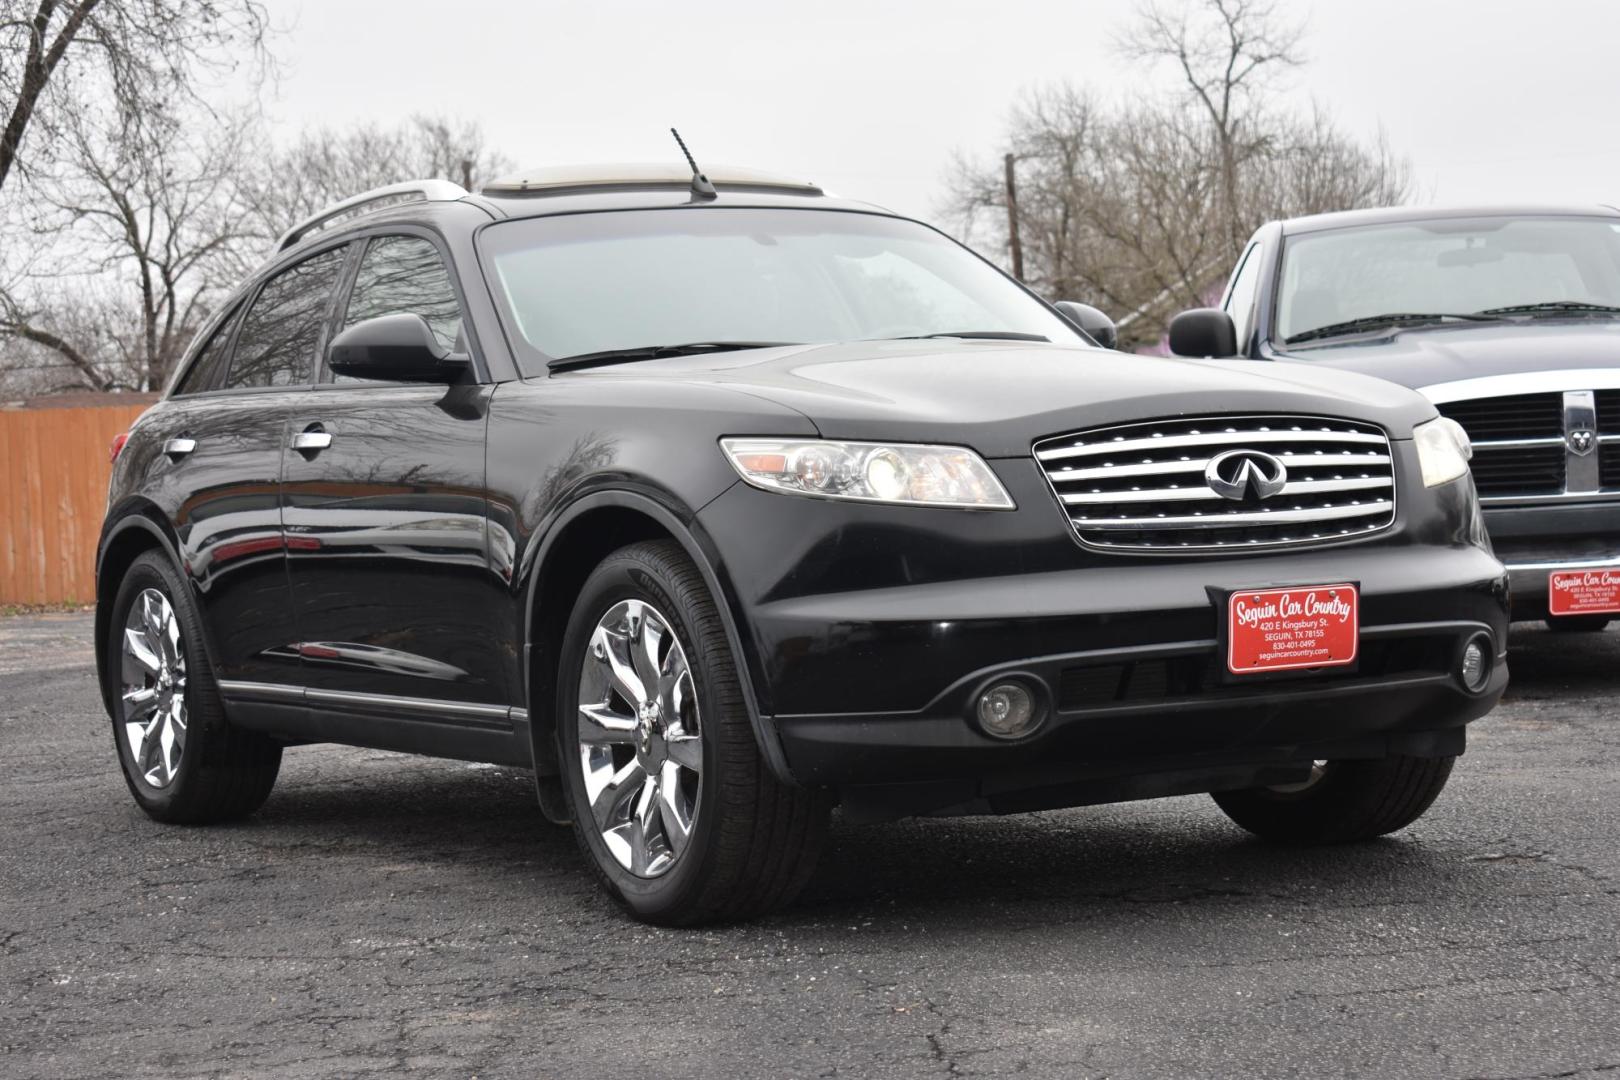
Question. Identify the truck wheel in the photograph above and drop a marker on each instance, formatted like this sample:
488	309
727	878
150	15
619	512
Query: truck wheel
1342	801
182	760
1576	624
673	805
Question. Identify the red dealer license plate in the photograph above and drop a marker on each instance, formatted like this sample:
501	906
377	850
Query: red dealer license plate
1583	592
1308	626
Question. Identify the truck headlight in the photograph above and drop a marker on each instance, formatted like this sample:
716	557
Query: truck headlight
1443	450
905	473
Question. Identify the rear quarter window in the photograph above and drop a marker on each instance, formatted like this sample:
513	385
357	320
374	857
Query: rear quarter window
210	361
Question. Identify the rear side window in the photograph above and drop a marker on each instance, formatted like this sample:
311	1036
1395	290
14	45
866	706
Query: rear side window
210	362
405	275
283	328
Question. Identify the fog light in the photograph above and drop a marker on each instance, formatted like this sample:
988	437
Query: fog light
1007	710
1476	664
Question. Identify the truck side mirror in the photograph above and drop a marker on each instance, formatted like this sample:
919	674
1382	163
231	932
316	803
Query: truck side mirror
1203	332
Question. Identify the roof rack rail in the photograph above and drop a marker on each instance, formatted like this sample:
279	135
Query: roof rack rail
375	199
569	178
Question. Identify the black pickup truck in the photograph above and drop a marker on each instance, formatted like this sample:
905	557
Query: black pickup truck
1508	319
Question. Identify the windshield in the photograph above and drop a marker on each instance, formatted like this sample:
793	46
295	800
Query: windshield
1447	268
583	284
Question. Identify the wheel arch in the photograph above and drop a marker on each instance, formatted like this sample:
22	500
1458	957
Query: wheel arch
582	535
135	531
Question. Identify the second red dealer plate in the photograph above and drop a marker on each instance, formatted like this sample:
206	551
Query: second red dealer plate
1584	592
1307	626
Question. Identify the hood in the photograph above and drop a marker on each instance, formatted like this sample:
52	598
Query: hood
1434	356
999	397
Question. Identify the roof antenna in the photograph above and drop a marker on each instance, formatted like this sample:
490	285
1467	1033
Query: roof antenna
701	188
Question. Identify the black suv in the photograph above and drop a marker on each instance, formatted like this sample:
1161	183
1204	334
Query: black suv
719	502
1507	319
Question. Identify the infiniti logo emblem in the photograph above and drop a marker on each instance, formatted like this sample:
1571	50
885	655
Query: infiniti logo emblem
1237	473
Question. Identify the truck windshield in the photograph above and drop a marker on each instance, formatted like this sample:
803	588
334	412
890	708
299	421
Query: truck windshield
1347	281
650	282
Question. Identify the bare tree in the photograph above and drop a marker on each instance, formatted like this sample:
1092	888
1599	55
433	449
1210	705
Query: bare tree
137	234
323	166
1124	207
1116	206
1312	167
150	220
1226	52
61	57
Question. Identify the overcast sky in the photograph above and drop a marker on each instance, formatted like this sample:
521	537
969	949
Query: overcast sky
1488	99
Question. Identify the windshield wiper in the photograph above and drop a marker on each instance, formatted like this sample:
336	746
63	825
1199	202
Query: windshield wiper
1379	322
653	352
983	335
1554	307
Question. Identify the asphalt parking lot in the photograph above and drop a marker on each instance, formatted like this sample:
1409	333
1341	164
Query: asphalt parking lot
384	914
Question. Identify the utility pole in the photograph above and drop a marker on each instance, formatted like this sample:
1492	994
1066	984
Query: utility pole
1013	241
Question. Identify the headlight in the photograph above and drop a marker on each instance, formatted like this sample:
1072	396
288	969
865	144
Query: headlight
1443	450
906	473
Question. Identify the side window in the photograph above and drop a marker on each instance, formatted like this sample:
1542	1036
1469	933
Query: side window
283	328
405	275
1240	300
210	360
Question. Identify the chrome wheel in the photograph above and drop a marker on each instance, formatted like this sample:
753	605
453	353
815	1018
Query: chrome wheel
154	688
640	738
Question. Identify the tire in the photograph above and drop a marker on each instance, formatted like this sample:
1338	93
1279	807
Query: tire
195	768
1577	624
1343	802
749	842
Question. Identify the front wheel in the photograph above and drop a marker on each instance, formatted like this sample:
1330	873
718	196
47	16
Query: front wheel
673	805
1341	801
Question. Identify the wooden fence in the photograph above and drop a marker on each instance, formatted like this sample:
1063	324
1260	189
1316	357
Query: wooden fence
53	491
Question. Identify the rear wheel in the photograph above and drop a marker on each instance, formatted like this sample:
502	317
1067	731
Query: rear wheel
672	803
1341	801
182	761
1577	624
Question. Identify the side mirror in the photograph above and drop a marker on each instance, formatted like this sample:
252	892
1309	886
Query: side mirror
1203	332
394	348
1099	326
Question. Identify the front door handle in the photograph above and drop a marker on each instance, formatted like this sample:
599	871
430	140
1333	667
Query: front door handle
179	448
312	440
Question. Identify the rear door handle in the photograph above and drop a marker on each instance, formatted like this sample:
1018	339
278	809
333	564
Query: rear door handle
179	448
312	441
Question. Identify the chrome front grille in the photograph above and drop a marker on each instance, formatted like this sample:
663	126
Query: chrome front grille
1145	486
1541	447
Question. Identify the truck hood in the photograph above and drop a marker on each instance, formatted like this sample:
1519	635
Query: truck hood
999	397
1433	357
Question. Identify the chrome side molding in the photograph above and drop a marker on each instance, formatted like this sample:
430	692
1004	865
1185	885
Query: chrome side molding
406	708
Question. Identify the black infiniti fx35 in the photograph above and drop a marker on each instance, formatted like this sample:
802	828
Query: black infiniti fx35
722	505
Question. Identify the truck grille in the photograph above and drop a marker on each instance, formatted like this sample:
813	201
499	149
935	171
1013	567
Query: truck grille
1144	486
1608	418
1526	470
1521	416
1520	445
1608	411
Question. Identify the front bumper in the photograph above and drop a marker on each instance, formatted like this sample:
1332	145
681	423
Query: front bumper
868	631
1130	674
1536	541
